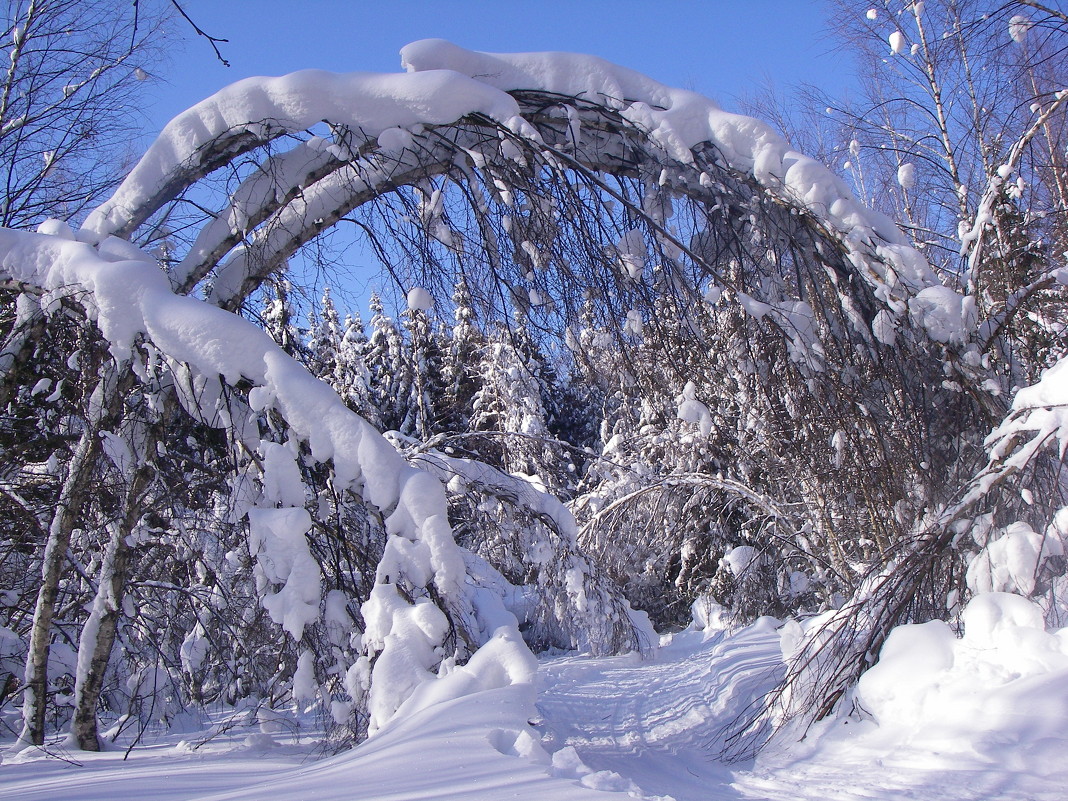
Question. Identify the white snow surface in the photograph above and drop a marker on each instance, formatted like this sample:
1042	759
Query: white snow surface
945	718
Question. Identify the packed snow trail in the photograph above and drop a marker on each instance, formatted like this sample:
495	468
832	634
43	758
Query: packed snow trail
661	721
960	719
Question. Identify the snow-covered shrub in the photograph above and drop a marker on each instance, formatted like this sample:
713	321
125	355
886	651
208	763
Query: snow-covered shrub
560	597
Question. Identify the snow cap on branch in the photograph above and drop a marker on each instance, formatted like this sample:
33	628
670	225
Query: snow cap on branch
678	120
266	108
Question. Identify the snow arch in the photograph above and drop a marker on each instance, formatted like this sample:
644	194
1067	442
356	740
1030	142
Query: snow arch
392	130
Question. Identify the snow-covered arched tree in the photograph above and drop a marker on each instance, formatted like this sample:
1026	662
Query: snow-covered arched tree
839	382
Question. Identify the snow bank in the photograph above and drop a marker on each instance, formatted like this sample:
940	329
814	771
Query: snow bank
465	737
1005	682
502	662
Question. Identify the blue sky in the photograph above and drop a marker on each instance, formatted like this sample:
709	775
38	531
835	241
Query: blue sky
720	48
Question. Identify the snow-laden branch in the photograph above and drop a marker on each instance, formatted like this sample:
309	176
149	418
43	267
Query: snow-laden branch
446	84
308	213
973	240
575	593
128	299
1039	416
679	121
255	111
273	184
993	325
840	646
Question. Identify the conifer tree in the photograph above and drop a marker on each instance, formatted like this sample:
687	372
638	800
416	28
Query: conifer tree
386	365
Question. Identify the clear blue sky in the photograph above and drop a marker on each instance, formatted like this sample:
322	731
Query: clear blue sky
721	48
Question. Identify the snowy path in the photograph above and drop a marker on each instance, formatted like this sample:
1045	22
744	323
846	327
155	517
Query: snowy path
613	729
659	722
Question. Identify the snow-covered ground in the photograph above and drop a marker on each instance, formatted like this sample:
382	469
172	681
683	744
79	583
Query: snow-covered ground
981	717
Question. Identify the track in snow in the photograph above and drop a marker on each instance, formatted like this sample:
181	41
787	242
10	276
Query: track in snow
660	721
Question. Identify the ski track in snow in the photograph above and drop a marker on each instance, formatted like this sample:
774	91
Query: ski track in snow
661	721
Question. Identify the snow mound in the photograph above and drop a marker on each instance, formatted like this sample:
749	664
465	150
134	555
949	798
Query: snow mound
1005	682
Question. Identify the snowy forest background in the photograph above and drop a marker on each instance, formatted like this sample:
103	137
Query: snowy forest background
641	355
